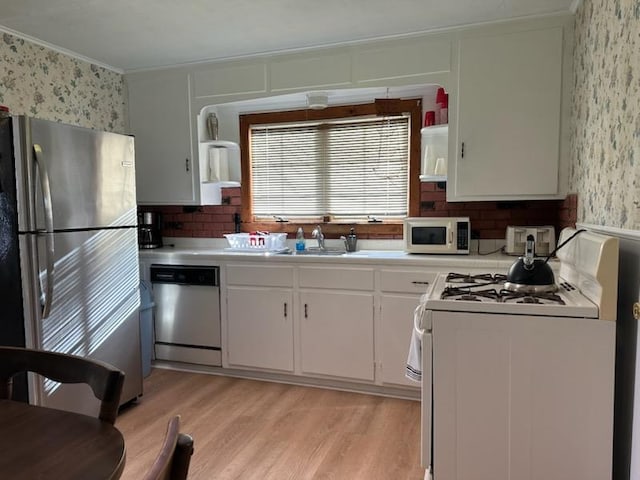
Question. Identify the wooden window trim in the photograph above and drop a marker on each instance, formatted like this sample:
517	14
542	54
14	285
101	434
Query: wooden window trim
413	107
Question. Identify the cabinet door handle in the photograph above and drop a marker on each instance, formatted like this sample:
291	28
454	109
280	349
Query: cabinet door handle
285	309
418	282
186	164
306	312
462	151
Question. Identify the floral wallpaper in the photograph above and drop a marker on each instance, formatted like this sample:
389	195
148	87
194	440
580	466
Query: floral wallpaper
605	163
43	83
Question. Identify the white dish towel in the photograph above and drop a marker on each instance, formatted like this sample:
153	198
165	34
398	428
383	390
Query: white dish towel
414	359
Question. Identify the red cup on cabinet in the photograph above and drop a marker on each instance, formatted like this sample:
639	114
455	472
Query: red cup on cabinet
429	118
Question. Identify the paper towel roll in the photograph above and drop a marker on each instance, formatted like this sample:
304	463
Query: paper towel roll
218	165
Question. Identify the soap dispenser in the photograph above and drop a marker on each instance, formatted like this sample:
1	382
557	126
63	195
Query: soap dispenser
300	243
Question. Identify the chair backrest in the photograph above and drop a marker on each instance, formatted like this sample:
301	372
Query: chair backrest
172	463
105	380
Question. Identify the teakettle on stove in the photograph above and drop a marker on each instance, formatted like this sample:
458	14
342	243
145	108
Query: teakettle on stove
530	274
544	238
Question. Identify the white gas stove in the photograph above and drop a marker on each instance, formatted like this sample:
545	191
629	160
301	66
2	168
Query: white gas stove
459	292
520	385
587	285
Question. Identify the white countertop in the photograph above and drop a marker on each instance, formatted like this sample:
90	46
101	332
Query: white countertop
216	252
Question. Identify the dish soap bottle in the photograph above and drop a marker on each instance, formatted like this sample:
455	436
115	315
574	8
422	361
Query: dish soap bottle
300	245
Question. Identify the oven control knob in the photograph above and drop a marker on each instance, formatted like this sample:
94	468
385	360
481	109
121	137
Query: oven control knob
636	310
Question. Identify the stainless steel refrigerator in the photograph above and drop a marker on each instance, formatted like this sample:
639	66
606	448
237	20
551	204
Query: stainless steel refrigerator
69	272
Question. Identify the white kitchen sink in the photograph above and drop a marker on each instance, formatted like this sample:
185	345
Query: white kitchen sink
378	253
325	252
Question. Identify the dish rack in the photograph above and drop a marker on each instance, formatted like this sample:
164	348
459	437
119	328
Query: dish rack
257	241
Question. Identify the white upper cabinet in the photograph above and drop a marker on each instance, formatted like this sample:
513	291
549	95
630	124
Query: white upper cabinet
169	171
217	82
306	70
509	86
411	61
507	145
159	120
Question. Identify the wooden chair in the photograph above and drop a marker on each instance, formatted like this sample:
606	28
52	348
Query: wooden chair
172	463
105	380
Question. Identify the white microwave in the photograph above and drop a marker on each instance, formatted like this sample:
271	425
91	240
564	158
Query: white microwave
447	235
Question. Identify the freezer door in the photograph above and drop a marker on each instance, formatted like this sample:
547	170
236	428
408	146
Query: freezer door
11	326
94	308
90	175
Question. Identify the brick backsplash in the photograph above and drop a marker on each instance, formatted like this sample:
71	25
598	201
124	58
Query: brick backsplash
488	219
209	221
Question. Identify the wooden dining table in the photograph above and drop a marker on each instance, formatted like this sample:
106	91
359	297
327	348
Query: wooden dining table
42	443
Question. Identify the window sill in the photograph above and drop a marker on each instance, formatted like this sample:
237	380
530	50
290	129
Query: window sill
386	229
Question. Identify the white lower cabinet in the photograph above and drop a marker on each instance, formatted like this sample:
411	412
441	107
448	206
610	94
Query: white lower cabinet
336	334
259	319
325	321
400	295
396	324
260	330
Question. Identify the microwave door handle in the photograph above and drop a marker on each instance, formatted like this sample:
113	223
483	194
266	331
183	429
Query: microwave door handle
450	237
48	222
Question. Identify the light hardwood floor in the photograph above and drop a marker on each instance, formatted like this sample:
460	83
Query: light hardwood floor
246	429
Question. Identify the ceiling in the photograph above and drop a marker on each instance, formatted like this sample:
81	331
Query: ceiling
139	34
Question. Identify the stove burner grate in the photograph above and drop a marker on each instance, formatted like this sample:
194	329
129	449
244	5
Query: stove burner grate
507	296
468	293
465	293
473	288
468	297
478	278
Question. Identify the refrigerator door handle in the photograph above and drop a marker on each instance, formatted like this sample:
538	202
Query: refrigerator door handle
48	221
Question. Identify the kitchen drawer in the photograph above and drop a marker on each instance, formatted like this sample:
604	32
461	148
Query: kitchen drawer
406	281
259	275
336	278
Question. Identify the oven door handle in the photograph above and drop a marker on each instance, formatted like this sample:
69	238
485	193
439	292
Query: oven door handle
426	407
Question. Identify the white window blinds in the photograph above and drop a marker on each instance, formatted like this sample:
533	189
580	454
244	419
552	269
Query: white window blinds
345	169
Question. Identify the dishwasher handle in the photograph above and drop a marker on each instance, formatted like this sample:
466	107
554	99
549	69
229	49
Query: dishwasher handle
186	275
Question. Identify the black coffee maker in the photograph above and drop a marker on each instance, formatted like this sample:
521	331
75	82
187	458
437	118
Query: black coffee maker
149	230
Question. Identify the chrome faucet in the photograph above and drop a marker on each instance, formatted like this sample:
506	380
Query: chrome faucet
317	234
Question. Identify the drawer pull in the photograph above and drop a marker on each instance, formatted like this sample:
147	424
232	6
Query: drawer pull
306	313
418	282
285	309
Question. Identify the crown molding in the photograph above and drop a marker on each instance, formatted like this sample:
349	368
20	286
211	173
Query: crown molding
58	49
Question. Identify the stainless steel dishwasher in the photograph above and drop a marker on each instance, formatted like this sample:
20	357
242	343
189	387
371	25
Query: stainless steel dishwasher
187	316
